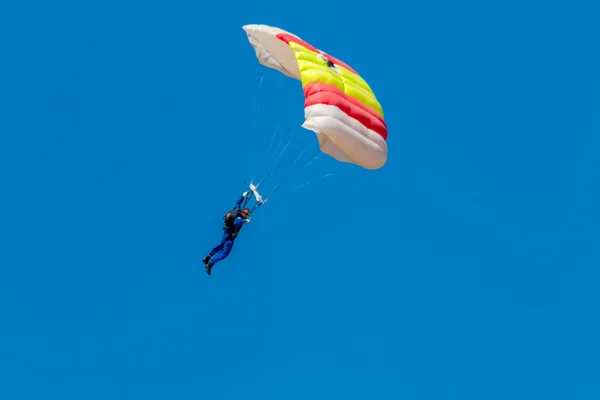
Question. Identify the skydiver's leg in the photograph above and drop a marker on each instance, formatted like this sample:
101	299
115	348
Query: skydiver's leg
215	249
218	247
223	253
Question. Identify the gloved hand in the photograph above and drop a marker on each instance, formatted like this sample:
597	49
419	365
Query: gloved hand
245	194
248	220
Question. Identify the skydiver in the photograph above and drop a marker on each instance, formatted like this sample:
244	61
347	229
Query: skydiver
222	250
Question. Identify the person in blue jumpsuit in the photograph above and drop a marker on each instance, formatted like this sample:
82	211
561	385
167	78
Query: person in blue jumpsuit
222	250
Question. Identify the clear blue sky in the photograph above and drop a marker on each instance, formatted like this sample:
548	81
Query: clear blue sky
465	269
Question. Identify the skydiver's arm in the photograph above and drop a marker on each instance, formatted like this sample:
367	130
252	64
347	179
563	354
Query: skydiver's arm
238	222
239	202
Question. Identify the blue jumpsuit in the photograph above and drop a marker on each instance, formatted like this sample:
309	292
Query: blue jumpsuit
222	250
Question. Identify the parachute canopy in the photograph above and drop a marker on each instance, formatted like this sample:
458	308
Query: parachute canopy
339	106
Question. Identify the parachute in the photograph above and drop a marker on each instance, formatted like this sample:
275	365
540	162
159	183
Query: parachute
339	105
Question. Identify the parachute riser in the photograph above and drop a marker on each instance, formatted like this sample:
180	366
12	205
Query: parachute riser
254	192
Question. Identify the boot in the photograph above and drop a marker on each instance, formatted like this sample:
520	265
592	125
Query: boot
208	267
206	259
